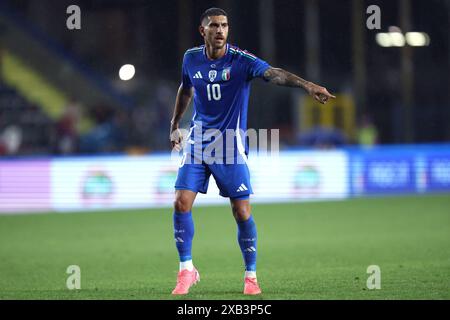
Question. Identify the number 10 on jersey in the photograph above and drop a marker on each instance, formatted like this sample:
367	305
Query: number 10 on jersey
213	91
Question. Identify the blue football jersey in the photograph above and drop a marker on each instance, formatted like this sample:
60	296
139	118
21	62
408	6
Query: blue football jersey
221	93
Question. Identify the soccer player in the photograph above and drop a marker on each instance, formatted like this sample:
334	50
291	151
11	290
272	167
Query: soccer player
218	76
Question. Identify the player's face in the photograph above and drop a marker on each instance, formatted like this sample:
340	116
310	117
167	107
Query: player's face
215	31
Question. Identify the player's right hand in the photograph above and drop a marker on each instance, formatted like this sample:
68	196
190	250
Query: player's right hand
319	93
176	139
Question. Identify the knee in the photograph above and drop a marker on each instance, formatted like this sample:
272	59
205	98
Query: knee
182	204
241	213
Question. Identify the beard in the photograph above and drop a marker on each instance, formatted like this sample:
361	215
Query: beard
218	45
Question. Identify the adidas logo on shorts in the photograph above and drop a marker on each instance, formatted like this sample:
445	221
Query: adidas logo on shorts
241	188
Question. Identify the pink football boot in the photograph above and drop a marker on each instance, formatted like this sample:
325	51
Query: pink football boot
185	280
251	286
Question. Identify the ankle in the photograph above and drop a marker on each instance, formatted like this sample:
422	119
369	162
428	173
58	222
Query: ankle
186	265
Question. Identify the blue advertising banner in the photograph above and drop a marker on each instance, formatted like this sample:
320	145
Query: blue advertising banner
383	174
438	172
399	170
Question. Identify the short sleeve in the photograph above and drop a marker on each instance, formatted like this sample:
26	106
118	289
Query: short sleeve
185	79
256	66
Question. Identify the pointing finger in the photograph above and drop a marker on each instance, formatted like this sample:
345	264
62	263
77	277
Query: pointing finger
329	95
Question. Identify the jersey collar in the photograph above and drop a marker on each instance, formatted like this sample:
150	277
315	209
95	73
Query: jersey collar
216	60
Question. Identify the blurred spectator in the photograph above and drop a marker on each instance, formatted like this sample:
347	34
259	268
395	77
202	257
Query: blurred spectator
67	128
108	135
151	120
10	140
37	130
367	132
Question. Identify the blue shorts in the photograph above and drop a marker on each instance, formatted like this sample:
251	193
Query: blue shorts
233	180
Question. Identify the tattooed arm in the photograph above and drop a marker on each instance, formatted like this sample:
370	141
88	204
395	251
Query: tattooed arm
284	78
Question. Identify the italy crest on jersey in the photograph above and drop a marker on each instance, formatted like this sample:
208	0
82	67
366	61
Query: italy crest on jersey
212	75
226	74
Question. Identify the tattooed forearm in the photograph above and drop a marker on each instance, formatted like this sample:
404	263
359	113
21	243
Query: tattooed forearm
284	78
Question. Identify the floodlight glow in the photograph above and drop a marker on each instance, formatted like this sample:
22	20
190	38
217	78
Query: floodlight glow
127	72
417	39
383	39
397	39
394	38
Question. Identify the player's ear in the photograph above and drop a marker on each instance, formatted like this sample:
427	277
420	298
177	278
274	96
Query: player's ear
201	29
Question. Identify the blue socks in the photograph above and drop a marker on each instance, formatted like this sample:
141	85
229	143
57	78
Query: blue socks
184	233
247	241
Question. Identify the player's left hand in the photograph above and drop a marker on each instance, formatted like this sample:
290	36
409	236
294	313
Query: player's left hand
319	93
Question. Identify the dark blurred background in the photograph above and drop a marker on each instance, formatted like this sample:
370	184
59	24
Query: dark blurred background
60	91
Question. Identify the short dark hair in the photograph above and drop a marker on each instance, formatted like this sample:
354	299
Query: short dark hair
212	12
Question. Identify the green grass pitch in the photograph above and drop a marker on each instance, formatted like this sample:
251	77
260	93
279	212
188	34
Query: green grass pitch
315	250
